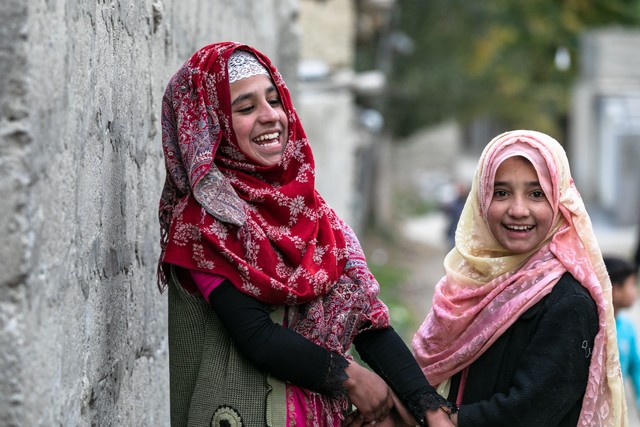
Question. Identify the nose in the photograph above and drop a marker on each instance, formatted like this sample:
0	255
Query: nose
518	208
268	114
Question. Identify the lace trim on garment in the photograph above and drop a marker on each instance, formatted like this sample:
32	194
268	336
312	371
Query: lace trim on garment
332	381
243	64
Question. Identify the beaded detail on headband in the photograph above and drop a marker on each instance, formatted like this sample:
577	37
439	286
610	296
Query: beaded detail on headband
243	64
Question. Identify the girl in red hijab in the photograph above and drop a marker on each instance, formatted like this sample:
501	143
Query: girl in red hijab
268	288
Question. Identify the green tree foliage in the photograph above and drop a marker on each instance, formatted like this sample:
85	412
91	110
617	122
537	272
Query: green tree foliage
492	58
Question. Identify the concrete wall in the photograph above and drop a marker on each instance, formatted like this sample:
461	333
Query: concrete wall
82	325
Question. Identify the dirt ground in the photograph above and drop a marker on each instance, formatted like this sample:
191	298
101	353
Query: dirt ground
422	261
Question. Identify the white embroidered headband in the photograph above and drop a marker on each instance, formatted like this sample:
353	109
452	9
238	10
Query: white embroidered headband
243	64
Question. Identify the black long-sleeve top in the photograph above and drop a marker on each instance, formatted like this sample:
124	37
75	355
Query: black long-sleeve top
290	357
536	373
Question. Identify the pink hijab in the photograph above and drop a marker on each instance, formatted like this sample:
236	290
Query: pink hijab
486	288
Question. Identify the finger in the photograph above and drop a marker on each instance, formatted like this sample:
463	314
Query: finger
354	421
384	408
383	416
347	422
358	422
363	420
387	422
383	412
366	419
351	420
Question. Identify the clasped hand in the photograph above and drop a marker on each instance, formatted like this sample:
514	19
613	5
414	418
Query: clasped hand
371	396
377	405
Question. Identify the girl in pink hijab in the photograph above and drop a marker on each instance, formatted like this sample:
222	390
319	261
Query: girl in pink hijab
521	331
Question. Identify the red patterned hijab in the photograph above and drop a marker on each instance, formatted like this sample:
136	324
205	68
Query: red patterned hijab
264	228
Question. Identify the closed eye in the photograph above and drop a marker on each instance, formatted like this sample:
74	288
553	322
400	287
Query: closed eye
245	110
274	102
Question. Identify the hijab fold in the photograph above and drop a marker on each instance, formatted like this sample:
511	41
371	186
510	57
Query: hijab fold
486	288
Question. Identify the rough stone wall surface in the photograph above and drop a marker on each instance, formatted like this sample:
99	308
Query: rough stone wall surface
82	324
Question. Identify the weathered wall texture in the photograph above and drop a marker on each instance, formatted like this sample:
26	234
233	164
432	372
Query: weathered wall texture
82	325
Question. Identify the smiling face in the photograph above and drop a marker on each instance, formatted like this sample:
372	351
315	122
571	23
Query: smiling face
259	120
519	215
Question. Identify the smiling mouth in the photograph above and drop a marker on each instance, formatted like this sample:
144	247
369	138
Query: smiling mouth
519	228
267	139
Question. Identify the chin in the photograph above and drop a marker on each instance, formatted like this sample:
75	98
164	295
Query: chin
517	248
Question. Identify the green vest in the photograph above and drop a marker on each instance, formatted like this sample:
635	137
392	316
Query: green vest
211	383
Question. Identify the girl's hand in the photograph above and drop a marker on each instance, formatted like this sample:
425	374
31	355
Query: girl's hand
391	420
439	418
402	414
369	394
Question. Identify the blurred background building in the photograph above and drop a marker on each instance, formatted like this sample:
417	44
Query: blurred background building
605	122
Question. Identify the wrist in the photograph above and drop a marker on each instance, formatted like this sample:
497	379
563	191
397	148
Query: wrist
435	416
351	371
448	408
442	413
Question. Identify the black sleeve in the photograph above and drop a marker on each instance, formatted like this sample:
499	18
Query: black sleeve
385	352
551	377
275	349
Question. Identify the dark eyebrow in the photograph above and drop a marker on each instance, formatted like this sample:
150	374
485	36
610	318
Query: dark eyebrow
248	95
241	98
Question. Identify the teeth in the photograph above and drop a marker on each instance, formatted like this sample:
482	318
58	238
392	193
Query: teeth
271	144
266	137
519	227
